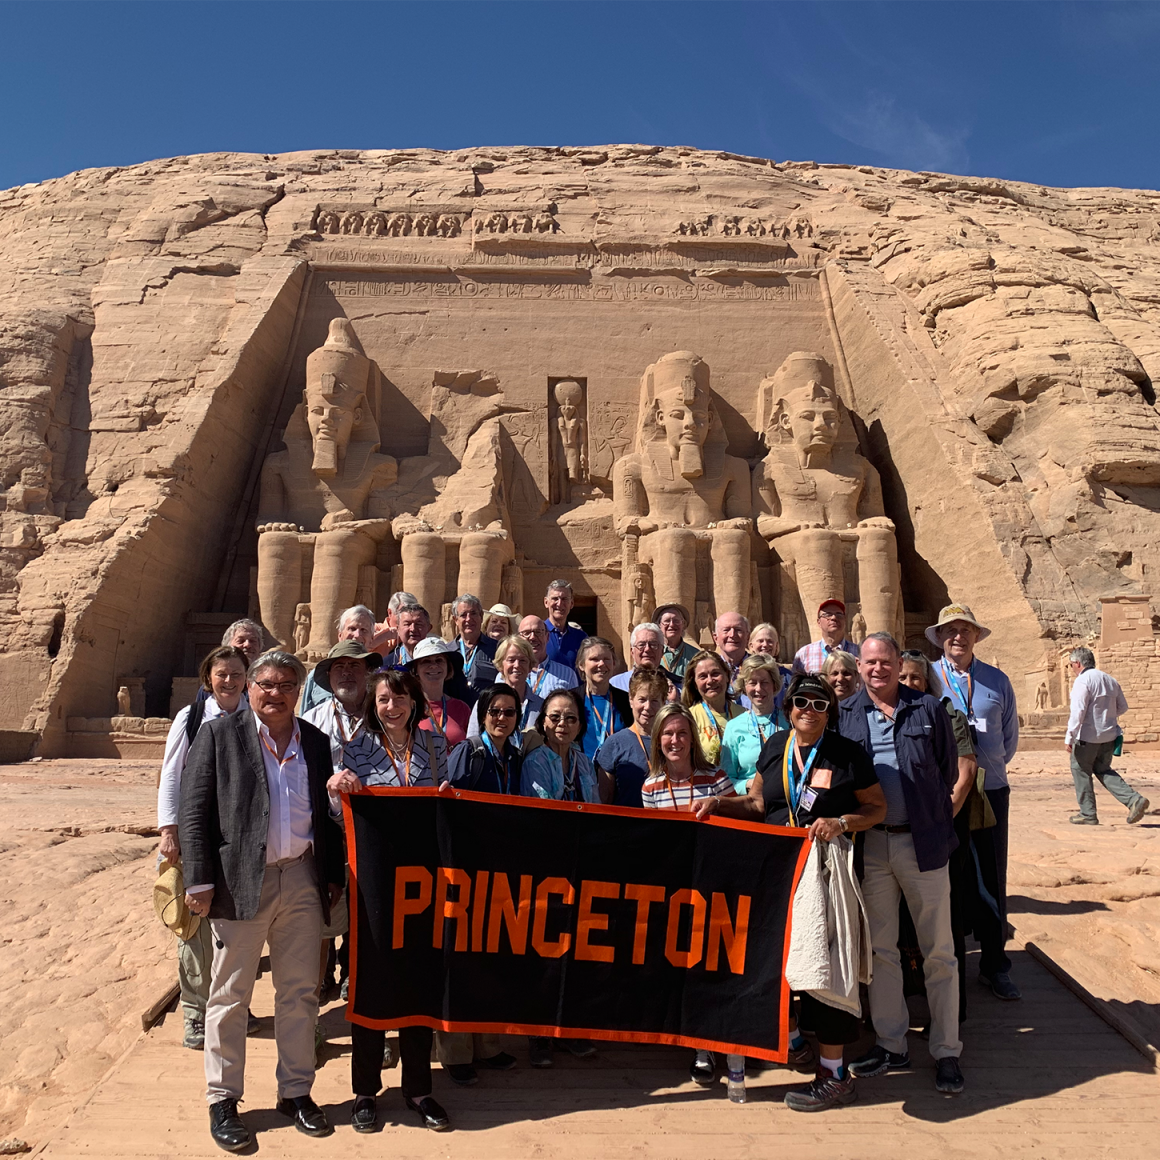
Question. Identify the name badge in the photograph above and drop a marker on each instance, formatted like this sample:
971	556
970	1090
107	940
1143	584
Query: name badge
980	724
808	798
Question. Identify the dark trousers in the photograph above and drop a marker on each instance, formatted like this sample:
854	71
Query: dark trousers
366	1060
830	1025
990	846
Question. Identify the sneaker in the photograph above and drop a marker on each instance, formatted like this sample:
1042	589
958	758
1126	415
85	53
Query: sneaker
948	1078
878	1061
501	1062
194	1037
1083	820
801	1058
1138	810
581	1048
462	1073
390	1057
703	1069
253	1023
826	1091
540	1051
344	990
1001	986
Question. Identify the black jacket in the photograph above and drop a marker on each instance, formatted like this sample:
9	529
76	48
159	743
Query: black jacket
927	760
224	817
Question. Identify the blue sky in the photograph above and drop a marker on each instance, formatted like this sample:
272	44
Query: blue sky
1061	94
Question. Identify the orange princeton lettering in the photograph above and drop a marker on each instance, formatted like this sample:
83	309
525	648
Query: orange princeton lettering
644	896
479	909
587	922
503	912
724	933
404	876
558	948
445	877
691	957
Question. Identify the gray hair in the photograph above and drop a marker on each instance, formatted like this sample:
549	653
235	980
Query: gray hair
398	598
470	601
1084	657
886	638
245	622
933	684
744	621
560	586
359	610
839	658
276	658
648	626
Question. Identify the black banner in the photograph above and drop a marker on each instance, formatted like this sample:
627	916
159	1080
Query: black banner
471	912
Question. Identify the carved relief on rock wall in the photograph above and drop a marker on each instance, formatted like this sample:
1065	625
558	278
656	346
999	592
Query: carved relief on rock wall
568	440
432	222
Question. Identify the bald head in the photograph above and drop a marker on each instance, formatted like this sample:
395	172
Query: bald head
535	632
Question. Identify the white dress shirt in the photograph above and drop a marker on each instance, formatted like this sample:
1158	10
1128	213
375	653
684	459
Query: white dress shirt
176	754
291	831
340	726
1096	702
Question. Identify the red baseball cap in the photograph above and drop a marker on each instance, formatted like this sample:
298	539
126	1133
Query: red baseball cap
828	603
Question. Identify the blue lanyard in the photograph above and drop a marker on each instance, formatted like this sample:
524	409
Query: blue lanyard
953	681
570	776
794	784
755	725
500	764
603	724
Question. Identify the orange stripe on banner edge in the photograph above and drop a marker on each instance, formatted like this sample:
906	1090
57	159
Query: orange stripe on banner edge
572	1032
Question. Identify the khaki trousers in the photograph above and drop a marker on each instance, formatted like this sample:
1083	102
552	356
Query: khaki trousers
453	1047
194	956
289	919
891	870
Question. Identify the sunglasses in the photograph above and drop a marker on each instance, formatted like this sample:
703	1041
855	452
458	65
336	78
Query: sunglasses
501	714
556	719
817	705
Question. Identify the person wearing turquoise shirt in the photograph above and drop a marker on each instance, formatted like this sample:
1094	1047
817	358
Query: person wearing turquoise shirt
745	735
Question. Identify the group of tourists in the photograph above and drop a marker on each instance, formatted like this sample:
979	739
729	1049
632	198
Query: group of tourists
906	752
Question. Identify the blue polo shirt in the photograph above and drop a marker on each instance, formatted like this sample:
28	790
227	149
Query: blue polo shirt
563	646
985	695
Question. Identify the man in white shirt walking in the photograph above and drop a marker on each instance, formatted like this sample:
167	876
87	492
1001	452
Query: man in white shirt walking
1097	702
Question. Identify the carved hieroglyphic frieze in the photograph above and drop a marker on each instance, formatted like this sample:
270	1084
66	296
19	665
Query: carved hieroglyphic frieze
372	222
737	226
541	220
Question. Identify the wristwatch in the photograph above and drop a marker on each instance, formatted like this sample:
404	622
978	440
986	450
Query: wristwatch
843	823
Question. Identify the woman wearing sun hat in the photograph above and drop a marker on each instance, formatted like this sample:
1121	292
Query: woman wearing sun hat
437	663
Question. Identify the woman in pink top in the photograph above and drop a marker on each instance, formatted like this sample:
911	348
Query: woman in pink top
434	663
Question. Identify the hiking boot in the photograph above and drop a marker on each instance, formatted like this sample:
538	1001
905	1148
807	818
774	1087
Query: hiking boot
194	1037
878	1061
703	1069
801	1058
1001	986
948	1078
1138	810
1083	820
463	1074
826	1091
581	1048
540	1051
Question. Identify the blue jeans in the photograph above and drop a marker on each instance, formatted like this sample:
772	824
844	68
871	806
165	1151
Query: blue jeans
1090	759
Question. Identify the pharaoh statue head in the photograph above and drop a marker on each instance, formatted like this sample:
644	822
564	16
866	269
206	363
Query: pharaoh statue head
337	378
569	397
677	407
798	406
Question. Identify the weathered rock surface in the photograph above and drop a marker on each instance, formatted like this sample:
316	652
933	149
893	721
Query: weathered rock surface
994	342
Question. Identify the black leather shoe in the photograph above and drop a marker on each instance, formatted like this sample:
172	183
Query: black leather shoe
308	1117
226	1127
362	1116
434	1117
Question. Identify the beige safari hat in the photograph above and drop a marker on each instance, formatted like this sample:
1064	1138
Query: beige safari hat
169	903
955	612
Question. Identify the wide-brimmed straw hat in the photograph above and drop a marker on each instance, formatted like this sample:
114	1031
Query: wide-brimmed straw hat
501	610
955	612
169	903
345	648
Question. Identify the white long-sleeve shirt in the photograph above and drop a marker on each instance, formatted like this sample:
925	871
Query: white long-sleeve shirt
1097	701
173	763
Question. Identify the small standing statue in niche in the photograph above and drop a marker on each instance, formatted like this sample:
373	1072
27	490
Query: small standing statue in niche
124	702
301	630
571	439
858	628
1041	697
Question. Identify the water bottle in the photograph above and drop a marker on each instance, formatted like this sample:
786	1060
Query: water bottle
736	1084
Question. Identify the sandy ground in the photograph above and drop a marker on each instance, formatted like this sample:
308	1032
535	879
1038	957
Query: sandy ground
83	956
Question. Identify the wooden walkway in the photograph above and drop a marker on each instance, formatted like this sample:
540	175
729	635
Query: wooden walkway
1045	1078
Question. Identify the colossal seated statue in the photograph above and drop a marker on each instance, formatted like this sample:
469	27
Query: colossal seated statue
323	507
814	493
681	486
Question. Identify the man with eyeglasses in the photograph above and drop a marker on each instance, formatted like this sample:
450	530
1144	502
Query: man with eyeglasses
832	625
909	737
546	676
477	650
985	695
264	864
646	646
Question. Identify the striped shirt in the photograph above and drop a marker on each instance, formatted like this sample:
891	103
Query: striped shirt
810	658
659	793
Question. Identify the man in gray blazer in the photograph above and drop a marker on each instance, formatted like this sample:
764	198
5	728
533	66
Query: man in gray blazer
263	864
